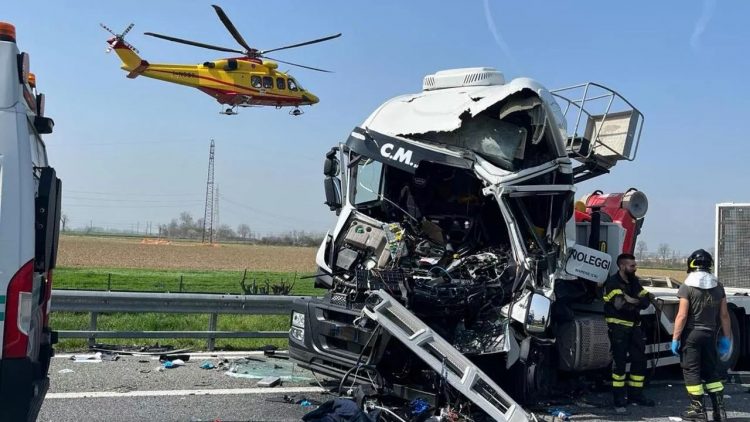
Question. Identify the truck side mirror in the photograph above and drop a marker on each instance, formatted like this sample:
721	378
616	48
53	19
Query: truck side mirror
537	315
43	125
331	163
332	187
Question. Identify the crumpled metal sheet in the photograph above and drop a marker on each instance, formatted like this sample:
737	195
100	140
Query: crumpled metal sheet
442	110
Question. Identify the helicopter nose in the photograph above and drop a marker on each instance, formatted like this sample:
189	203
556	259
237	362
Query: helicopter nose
310	98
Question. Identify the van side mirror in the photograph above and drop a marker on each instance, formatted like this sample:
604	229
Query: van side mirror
331	163
332	187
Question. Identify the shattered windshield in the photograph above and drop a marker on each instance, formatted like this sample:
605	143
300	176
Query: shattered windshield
368	176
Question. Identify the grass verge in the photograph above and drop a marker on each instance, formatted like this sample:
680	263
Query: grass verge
225	282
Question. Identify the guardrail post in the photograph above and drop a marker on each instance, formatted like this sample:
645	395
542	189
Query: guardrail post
92	327
180	283
212	322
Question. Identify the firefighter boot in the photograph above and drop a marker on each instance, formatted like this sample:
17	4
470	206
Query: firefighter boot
619	395
696	411
717	405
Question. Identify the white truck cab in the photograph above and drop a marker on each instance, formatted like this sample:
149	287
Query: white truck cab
30	194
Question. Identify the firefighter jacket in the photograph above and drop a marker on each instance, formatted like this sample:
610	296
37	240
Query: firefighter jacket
622	310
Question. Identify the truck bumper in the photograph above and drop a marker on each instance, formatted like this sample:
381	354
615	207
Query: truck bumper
332	343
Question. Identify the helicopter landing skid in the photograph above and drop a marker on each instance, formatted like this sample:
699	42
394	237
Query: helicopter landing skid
231	111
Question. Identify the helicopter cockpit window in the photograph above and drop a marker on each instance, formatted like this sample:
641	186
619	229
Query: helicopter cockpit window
267	82
255	81
280	83
292	85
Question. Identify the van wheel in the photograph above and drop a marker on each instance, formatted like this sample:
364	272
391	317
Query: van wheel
729	362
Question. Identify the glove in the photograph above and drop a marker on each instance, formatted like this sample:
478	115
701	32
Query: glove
676	347
724	345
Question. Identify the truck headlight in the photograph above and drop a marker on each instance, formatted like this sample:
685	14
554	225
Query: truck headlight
298	320
297	334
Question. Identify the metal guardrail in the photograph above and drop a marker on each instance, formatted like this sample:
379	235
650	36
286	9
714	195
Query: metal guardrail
95	302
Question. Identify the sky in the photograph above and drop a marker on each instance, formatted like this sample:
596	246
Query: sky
135	152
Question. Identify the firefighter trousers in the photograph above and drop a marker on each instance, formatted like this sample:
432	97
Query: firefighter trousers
628	343
700	362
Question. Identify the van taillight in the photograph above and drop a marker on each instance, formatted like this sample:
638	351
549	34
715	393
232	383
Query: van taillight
18	313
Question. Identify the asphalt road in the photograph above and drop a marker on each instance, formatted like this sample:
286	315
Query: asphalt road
134	389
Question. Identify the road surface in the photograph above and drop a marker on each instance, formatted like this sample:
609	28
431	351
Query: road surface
134	389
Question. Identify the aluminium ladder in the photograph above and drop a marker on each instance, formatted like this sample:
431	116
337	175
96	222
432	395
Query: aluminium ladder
445	359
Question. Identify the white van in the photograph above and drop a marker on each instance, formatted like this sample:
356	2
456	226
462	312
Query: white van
30	195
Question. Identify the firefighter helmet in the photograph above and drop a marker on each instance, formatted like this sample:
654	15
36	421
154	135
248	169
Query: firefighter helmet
700	260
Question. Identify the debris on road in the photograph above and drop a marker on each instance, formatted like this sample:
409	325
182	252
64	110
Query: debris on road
169	364
254	368
65	371
110	357
87	358
561	415
208	365
172	357
138	350
269	382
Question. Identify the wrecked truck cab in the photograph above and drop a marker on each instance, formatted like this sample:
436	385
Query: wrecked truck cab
458	202
474	168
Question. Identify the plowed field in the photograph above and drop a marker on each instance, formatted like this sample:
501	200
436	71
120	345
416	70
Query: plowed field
104	252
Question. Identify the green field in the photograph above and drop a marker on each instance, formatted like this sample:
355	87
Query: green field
169	281
174	281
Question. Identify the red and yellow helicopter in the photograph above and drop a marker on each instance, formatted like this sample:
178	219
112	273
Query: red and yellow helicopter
249	80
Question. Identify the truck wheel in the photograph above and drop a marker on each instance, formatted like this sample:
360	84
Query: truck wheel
730	361
531	379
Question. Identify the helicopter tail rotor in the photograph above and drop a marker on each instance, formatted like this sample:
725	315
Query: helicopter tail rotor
119	37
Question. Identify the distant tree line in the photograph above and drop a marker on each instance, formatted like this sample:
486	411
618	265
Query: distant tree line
187	227
663	257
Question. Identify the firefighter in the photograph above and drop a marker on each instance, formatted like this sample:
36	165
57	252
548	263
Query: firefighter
623	300
703	304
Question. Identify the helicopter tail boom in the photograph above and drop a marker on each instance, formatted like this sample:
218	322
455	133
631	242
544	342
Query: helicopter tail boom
131	61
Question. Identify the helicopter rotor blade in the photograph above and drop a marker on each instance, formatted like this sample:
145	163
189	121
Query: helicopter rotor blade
330	37
193	43
232	30
106	28
127	30
299	65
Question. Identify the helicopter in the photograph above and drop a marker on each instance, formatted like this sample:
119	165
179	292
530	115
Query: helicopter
252	79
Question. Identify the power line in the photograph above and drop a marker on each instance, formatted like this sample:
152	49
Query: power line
276	216
129	206
118	194
157	201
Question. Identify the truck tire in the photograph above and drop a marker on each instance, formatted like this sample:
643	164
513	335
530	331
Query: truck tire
531	379
729	362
